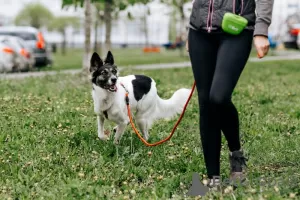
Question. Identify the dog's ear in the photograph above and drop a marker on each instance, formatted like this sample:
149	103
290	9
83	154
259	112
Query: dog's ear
96	62
109	58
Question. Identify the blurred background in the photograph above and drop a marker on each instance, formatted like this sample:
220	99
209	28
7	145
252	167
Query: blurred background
61	34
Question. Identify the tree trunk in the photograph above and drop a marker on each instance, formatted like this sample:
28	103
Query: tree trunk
64	43
73	41
181	32
96	35
108	23
144	18
172	26
87	43
100	38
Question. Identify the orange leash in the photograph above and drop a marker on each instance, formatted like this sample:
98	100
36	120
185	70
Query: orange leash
174	128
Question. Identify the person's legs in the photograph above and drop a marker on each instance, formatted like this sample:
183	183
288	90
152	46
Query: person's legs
232	57
203	50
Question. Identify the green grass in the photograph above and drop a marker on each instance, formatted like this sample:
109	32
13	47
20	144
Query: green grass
123	57
49	147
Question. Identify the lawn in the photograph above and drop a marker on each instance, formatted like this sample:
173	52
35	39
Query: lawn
49	147
124	57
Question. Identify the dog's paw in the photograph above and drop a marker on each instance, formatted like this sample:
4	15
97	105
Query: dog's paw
146	137
103	137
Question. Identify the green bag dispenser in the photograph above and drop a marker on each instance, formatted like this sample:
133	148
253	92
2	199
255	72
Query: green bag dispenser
233	24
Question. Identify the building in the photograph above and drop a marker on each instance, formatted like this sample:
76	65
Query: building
4	20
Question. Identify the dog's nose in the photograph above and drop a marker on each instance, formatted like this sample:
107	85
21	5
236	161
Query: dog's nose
114	80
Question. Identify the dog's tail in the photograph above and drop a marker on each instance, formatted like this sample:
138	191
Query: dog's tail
169	108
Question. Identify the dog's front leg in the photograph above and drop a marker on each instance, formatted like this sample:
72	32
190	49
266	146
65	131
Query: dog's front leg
101	135
119	132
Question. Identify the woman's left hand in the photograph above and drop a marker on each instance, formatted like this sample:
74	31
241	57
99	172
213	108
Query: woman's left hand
262	45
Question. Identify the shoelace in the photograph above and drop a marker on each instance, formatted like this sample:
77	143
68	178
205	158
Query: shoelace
241	160
214	183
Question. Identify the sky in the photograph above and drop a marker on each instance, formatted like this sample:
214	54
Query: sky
11	8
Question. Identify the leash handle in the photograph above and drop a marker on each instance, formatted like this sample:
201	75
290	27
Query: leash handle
174	128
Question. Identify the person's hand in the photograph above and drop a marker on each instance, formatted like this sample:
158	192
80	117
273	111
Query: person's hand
262	45
187	45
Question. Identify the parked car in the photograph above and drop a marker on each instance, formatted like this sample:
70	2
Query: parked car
23	50
298	40
292	31
292	37
8	58
20	54
34	39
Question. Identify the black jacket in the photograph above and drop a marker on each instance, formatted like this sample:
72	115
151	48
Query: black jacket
208	14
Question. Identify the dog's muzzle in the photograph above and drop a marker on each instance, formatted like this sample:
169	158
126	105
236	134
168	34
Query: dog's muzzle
111	88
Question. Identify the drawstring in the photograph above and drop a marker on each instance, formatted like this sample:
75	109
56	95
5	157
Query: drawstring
242	7
233	7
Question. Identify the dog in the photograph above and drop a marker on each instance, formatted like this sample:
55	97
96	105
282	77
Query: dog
108	93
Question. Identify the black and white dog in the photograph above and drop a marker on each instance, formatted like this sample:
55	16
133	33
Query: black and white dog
109	98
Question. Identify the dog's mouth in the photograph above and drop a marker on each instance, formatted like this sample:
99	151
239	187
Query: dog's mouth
111	88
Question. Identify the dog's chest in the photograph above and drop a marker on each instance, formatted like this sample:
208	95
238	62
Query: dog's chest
109	107
103	104
114	113
105	108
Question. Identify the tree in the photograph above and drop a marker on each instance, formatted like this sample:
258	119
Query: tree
110	7
110	10
87	28
172	25
143	17
61	24
178	5
99	18
34	14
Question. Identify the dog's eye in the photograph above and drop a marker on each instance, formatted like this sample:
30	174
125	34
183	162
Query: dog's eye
103	72
114	71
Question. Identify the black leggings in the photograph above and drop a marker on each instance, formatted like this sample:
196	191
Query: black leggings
218	60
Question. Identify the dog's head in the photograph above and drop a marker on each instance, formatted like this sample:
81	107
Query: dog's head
104	74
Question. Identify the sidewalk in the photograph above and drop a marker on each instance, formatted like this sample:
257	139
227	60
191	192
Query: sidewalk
294	56
37	74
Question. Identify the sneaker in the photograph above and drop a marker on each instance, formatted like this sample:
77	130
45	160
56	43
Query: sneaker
213	184
237	164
